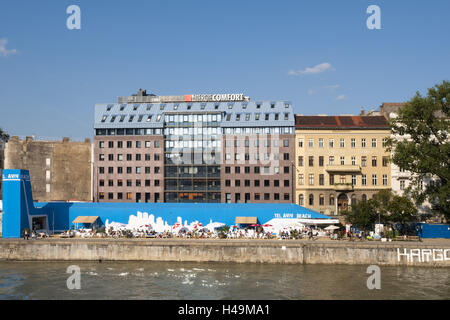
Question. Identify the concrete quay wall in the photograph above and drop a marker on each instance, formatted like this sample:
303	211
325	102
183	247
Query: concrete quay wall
239	251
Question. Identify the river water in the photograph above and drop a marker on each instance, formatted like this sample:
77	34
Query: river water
182	280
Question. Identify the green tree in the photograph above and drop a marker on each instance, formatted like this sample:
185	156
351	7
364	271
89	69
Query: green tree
424	148
381	201
3	135
362	214
402	210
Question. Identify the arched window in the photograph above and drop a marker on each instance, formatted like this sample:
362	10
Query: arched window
353	200
321	200
331	199
301	200
364	197
311	199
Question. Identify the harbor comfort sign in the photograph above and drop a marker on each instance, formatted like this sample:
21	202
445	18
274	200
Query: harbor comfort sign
214	97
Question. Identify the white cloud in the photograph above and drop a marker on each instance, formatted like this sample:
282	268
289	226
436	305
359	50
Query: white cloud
332	87
3	51
322	67
340	97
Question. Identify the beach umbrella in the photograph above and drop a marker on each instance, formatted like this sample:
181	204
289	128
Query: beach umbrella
254	225
267	225
331	228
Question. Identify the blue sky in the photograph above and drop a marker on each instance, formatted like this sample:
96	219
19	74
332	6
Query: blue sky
318	54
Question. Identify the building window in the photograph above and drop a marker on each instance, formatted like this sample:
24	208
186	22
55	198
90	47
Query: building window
331	200
300	161
101	144
320	161
363	161
311	179
257	183
353	143
353	179
374	143
385	180
364	198
331	179
331	143
301	179
363	142
342	160
301	200
101	157
321	200
402	184
300	143
374	179
286	143
342	143
320	142
311	200
311	143
374	161
331	160
384	142
385	161
364	180
286	196
285	156
321	179
311	161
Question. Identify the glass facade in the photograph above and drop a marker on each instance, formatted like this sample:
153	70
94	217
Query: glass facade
192	156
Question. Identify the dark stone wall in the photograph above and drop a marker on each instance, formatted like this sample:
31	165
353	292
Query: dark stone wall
59	170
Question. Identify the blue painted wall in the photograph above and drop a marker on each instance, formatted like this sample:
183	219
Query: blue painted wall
19	209
435	231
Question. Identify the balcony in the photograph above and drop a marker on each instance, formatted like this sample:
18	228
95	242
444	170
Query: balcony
343	187
343	168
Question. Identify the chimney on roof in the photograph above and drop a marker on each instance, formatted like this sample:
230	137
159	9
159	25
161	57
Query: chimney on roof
362	112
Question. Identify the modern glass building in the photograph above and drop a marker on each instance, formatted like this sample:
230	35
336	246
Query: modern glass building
194	148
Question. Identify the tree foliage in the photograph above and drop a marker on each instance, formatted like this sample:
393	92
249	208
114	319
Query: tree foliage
423	146
402	210
384	207
3	135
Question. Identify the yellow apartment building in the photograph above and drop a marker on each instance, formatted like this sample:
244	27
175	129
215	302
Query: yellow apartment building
340	160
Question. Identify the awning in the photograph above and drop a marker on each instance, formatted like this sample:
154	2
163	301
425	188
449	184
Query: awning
85	219
246	220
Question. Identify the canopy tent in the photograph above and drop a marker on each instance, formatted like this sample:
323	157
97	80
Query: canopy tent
319	221
85	219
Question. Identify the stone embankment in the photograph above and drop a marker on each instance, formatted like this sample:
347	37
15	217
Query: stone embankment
428	253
